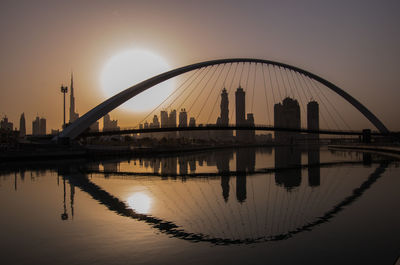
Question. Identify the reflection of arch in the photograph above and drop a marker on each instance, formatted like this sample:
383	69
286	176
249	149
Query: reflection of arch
77	127
170	228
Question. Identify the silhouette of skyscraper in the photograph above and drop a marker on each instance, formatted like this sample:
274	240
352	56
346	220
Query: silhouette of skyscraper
156	123
42	126
164	119
313	118
250	122
287	115
39	126
183	122
72	114
240	104
223	119
108	124
172	122
192	123
22	127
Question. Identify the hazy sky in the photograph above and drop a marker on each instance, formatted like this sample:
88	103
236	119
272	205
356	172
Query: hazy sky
354	44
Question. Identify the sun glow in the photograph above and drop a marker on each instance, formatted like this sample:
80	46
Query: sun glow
140	202
131	67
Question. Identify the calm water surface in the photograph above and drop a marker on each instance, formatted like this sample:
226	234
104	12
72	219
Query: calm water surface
239	206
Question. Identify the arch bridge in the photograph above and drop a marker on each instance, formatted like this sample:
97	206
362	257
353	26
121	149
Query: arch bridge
80	125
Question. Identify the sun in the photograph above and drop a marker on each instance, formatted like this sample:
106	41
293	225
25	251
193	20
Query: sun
130	67
140	202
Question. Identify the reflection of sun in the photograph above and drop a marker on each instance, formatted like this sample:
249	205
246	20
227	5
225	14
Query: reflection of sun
140	202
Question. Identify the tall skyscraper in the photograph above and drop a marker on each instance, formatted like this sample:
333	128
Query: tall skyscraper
72	114
42	126
183	118
155	123
39	126
313	118
35	126
287	115
183	122
240	100
172	122
192	123
22	127
223	119
164	118
108	124
224	108
172	118
250	122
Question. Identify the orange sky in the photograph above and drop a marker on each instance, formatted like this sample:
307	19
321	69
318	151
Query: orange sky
352	45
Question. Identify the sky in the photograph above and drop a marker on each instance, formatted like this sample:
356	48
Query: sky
353	44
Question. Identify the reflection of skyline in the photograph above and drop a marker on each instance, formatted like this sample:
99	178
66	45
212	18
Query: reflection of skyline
288	164
114	204
76	178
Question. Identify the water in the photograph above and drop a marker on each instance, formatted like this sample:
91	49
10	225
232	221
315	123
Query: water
239	206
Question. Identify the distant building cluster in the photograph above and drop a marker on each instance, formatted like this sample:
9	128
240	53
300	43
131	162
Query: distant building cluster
6	125
286	115
170	120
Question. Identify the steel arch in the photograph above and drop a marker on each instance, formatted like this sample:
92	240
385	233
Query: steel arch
81	124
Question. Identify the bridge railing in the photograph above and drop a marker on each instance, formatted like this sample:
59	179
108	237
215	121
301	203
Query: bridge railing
213	127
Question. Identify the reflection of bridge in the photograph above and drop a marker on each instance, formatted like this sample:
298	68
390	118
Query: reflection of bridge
80	125
114	204
227	128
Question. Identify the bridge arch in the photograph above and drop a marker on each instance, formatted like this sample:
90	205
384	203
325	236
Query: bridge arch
81	124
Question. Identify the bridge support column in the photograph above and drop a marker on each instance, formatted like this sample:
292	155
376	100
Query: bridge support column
366	136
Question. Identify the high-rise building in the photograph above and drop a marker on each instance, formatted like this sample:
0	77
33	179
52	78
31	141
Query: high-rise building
35	126
313	118
172	118
223	119
42	126
6	125
192	123
183	118
183	122
39	126
287	115
22	126
250	122
224	106
164	118
156	123
172	123
240	100
72	114
108	124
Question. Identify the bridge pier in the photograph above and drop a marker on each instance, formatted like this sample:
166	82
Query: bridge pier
366	136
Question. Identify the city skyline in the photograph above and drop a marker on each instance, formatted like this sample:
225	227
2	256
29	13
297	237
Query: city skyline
362	58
